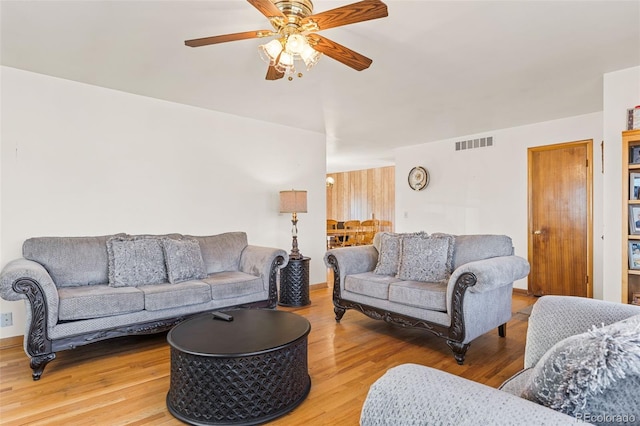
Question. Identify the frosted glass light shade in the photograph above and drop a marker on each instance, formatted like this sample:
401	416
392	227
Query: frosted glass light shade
295	44
285	64
310	56
269	52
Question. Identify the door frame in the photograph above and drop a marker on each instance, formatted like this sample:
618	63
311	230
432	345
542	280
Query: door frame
589	145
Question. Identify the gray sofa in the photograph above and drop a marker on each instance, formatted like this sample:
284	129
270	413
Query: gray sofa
582	365
80	290
457	287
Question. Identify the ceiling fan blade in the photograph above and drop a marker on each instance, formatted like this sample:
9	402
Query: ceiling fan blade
340	53
267	8
197	42
350	14
273	73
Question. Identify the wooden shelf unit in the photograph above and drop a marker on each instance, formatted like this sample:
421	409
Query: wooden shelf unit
630	277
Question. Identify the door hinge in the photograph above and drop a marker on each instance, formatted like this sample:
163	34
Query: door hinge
586	280
587	161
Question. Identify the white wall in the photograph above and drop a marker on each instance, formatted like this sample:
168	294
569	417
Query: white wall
621	91
484	190
84	160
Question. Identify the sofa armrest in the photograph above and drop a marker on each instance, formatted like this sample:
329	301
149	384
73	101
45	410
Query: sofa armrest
412	394
555	318
26	279
264	262
350	260
493	272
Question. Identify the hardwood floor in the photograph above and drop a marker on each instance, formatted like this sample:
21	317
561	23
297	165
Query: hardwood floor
125	381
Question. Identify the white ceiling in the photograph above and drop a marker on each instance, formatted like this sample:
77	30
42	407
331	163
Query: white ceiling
440	69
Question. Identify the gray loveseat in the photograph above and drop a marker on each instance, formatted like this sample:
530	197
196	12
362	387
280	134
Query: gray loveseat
80	290
457	287
582	365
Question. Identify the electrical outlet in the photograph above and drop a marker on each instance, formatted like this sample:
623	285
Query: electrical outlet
6	320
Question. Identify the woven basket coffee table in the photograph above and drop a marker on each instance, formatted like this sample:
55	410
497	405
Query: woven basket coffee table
242	372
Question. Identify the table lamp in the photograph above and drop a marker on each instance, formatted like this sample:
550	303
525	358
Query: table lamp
294	202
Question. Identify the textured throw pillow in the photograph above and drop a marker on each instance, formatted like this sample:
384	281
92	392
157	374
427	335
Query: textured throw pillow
389	255
595	374
425	258
135	260
183	259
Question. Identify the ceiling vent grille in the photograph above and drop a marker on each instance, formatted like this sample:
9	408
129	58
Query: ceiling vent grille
474	143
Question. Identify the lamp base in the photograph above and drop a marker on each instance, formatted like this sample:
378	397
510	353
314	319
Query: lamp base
295	252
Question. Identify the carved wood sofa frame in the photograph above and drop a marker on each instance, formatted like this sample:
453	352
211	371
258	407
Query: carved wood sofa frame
43	350
454	334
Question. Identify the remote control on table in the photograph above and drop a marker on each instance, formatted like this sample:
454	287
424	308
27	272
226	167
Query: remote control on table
222	316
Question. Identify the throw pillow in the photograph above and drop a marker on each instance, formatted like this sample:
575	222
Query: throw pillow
596	373
389	255
184	260
135	260
428	259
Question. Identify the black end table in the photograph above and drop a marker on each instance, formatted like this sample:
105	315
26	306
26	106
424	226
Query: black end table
242	372
294	283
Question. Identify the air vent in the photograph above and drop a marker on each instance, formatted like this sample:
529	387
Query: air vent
474	143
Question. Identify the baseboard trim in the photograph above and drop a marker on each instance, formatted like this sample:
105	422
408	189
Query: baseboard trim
521	291
10	342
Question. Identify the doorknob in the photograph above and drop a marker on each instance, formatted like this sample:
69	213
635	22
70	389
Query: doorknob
537	232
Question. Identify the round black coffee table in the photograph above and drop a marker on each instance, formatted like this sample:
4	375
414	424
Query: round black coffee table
242	372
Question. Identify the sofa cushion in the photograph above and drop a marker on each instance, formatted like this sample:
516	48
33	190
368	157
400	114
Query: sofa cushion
469	248
166	296
95	301
388	254
595	373
232	284
426	295
183	260
369	284
136	260
426	258
71	261
222	252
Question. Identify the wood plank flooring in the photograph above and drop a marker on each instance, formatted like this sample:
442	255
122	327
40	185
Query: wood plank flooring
125	381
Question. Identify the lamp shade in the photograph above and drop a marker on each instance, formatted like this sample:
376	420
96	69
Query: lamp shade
293	201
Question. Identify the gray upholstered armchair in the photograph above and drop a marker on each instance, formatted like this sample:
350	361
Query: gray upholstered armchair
582	359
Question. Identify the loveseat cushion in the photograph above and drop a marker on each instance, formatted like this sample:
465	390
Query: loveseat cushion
136	260
369	284
222	252
426	258
71	261
426	295
232	284
166	296
95	301
595	373
388	254
183	260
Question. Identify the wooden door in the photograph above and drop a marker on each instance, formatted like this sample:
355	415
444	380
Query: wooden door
560	222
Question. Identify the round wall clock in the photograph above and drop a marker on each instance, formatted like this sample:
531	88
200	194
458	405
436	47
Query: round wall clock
418	178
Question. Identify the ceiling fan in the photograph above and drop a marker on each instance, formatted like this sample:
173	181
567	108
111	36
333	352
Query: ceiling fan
295	27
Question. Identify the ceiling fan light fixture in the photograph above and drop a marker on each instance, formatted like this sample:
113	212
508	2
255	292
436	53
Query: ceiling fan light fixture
294	27
310	56
269	52
295	44
285	64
